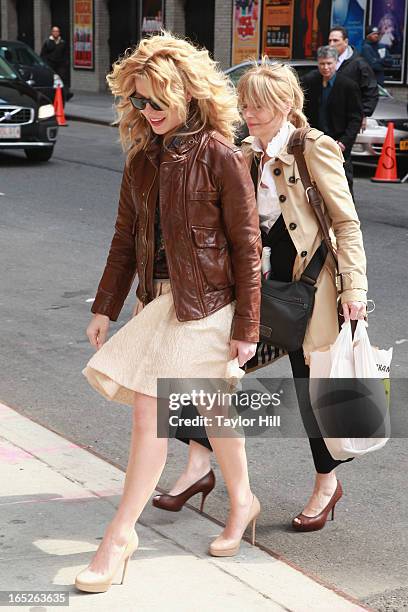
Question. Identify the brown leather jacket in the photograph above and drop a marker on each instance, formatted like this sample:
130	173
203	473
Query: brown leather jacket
210	230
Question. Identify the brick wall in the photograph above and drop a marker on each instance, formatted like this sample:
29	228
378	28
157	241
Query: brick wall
8	19
223	32
42	23
94	80
174	16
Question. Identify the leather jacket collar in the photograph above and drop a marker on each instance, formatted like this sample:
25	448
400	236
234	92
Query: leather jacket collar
182	142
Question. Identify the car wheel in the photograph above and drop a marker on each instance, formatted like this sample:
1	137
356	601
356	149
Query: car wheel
402	167
39	155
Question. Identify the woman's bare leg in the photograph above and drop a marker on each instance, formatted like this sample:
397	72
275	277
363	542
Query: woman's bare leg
325	486
198	465
231	457
147	458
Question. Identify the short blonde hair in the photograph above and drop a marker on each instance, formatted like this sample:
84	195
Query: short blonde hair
274	86
172	68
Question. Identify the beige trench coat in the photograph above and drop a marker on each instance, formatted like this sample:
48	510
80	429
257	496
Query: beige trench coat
325	164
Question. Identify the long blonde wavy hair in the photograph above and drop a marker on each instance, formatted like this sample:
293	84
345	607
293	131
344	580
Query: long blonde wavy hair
172	68
274	86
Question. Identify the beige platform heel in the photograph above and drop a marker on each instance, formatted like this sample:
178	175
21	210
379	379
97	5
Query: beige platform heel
228	547
92	582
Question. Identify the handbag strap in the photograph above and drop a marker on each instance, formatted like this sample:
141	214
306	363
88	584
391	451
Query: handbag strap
314	267
296	145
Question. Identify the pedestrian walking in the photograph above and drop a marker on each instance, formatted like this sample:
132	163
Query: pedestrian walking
187	225
271	102
352	65
375	53
55	53
333	105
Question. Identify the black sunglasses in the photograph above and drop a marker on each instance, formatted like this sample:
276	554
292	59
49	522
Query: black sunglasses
140	103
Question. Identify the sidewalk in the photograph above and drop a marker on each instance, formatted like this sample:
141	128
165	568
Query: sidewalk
90	107
57	499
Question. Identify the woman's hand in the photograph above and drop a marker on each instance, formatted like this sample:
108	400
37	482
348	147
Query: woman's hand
243	350
354	311
97	330
138	307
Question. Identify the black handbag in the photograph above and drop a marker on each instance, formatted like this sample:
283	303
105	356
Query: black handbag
286	307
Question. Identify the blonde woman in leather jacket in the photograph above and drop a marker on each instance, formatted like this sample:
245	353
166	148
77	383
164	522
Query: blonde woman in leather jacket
187	226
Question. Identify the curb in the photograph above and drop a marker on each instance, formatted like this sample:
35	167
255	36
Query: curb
74	117
262	572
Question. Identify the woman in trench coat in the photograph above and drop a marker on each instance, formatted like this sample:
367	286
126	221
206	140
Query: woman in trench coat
271	102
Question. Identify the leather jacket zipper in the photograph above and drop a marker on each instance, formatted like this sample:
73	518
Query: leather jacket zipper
145	204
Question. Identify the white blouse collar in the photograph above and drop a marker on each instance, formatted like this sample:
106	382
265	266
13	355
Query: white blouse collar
276	144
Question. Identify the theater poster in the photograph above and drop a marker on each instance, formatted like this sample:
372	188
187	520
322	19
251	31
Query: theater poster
277	28
390	17
151	17
245	38
351	15
311	26
83	34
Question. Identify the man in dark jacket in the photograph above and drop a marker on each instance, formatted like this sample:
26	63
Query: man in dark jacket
376	54
333	104
55	53
351	64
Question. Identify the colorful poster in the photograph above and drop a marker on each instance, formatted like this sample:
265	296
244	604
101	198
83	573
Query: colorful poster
277	28
351	15
245	29
151	15
311	26
83	34
390	16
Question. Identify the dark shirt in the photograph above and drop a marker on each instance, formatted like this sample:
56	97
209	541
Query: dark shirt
55	54
160	269
323	116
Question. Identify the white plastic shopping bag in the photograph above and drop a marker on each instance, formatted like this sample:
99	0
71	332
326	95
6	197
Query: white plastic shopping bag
347	402
370	361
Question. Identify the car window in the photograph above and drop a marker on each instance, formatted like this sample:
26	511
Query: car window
8	54
6	71
384	93
27	57
303	70
236	74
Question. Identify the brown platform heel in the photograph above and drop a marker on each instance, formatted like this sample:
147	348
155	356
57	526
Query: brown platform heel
174	503
302	522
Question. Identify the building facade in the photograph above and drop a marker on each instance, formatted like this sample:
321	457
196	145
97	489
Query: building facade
99	31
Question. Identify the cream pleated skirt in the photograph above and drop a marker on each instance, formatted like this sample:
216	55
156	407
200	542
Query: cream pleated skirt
155	344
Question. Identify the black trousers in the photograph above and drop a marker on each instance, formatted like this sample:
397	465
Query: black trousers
348	169
283	254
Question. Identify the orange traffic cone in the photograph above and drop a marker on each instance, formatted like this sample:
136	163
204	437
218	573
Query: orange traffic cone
387	166
59	107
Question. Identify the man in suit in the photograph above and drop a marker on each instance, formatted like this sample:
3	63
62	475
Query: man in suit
333	104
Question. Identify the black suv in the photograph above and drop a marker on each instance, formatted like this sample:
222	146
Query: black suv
31	67
27	118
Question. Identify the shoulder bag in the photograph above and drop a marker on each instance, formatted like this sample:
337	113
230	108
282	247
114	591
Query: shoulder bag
286	307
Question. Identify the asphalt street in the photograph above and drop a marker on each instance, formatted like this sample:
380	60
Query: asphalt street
56	223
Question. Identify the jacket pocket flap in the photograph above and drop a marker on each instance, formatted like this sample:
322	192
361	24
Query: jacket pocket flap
203	195
209	237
